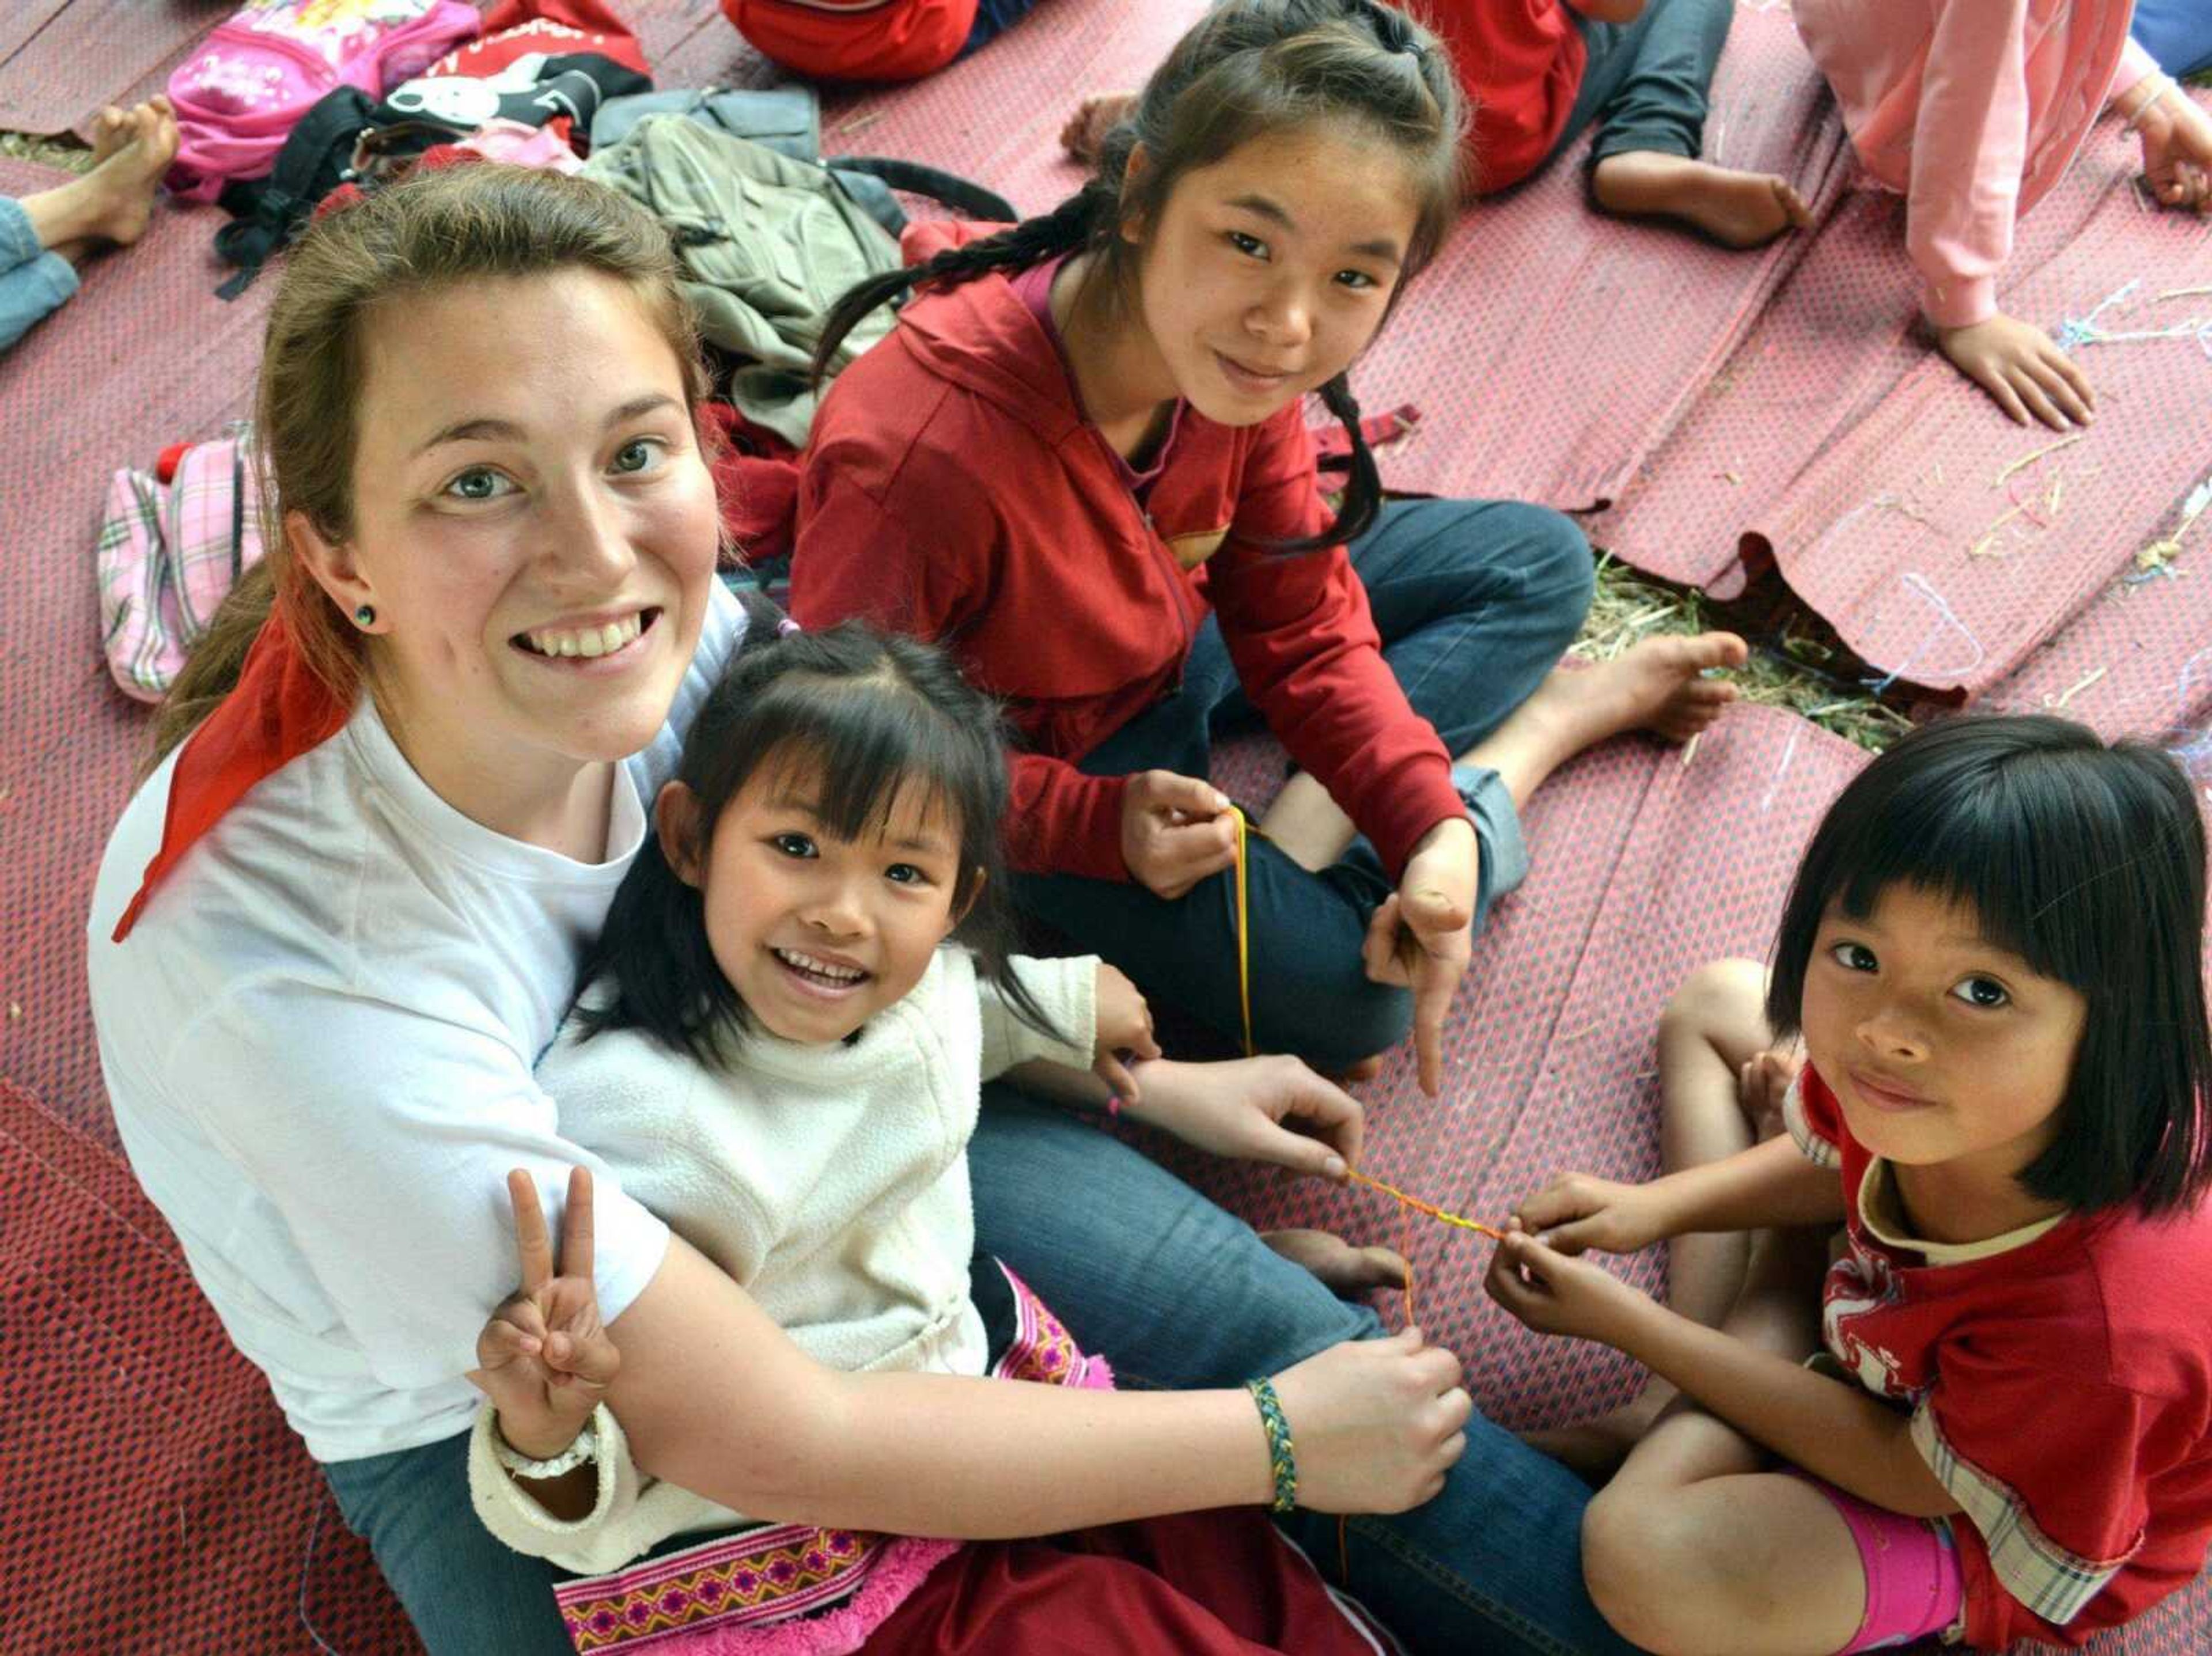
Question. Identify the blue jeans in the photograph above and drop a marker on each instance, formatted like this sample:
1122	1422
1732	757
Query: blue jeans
1474	601
32	281
1176	1292
1649	84
2177	32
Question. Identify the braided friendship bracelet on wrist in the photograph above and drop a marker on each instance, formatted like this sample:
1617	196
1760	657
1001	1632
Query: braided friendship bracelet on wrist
2165	84
1282	1454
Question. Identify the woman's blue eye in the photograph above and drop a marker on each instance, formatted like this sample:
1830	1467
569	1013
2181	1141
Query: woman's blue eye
478	483
1854	957
1981	991
793	845
637	454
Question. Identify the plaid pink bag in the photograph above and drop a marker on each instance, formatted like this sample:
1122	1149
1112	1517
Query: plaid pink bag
168	553
240	94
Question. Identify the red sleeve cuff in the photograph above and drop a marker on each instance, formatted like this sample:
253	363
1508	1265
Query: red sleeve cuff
1071	825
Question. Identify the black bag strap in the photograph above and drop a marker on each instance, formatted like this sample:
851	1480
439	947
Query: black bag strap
969	199
312	162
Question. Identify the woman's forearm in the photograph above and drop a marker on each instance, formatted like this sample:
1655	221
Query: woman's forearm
714	1397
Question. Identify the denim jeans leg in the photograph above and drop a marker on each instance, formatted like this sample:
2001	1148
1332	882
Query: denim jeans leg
34	283
1660	103
465	1591
1475	601
1177	1292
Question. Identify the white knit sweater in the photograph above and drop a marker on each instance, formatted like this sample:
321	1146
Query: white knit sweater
829	1182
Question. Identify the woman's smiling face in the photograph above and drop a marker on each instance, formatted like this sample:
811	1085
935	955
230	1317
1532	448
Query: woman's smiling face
534	525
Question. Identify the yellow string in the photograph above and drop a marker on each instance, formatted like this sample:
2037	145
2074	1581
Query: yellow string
1428	1208
1244	935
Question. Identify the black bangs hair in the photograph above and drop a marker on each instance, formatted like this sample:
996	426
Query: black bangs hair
2085	861
868	716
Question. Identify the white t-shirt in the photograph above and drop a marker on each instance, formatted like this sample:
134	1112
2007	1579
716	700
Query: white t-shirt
317	1043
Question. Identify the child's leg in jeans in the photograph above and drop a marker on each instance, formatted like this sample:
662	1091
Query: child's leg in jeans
1696	1544
1645	160
1721	1084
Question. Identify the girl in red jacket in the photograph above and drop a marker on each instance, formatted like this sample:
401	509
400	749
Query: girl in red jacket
1081	461
1539	73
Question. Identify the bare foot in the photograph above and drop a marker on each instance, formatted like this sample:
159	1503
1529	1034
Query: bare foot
1342	1268
1762	1084
1740	209
1658	685
113	202
1094	117
1593	1449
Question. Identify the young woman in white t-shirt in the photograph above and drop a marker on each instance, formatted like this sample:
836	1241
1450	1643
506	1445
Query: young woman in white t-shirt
336	927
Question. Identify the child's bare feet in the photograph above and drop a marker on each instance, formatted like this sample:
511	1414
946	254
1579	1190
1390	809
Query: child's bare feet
1094	117
1593	1449
1658	685
131	149
1740	209
1342	1268
1764	1081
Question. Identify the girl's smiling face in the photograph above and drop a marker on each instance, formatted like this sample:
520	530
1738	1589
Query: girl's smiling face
534	527
1941	1048
817	932
1271	269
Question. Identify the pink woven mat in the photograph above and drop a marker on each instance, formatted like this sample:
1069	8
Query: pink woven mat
145	355
157	1499
60	60
1899	502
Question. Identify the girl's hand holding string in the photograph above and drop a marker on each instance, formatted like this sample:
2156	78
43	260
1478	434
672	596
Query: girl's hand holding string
1269	1109
1553	1294
1575	1212
1176	831
546	1359
1124	1024
1377	1423
1422	936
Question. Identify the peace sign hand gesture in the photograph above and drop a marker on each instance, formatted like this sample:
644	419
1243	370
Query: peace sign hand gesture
545	1359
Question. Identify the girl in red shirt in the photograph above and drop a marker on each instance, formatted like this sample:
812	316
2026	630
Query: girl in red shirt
1081	461
1538	74
1993	954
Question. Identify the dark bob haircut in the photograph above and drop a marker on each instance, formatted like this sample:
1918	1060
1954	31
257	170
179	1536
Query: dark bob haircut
2085	861
874	715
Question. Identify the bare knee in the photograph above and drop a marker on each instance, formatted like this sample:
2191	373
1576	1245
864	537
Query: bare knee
1723	1003
1637	1564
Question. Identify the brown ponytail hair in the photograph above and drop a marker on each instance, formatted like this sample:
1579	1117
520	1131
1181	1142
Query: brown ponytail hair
444	228
1249	68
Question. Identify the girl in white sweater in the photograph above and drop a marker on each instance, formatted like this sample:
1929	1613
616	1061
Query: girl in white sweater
784	1032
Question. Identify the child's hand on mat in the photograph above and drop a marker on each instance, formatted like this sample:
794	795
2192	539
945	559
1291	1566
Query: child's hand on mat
2177	151
1176	831
1422	935
545	1359
1257	1109
1577	1212
2017	363
1124	1025
1375	1423
1555	1294
1764	1083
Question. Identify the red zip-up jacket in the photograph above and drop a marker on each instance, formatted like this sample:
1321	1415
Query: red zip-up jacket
953	491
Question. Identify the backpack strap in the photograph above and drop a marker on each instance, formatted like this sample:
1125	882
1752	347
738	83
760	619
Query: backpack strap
969	199
269	211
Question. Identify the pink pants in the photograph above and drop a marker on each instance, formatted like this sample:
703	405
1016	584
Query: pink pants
1914	1585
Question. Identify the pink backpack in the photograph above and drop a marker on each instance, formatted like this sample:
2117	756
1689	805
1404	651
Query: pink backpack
172	542
239	95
